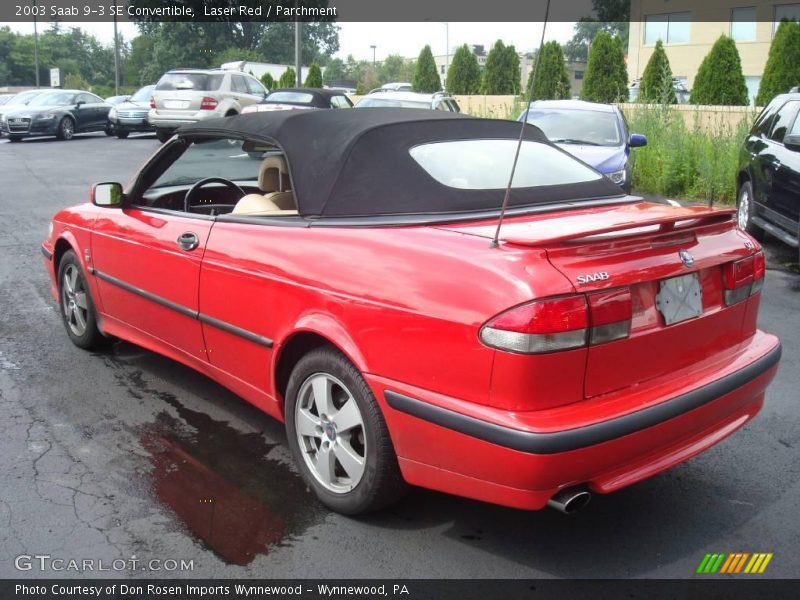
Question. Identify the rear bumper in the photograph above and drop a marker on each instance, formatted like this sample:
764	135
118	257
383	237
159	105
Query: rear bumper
174	119
523	459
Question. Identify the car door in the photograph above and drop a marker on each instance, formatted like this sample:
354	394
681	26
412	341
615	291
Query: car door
147	261
99	111
84	112
240	90
786	181
770	158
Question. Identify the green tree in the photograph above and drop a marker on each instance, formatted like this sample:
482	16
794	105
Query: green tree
606	77
426	79
552	78
288	79
335	70
314	77
235	55
464	74
611	16
501	75
782	71
395	68
268	81
656	85
719	79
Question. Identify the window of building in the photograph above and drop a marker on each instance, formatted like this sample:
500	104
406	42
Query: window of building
743	24
670	28
578	74
786	11
441	69
752	83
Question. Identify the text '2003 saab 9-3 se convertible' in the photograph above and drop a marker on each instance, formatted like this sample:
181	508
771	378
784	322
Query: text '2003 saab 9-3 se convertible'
336	269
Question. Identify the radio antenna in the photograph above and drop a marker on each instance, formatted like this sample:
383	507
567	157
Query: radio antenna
496	238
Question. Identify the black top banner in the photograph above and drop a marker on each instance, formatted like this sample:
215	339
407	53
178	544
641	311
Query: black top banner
365	10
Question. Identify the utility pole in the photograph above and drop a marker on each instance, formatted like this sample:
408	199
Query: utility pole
446	51
35	44
116	53
297	63
373	46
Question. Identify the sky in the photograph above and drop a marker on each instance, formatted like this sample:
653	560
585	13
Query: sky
406	39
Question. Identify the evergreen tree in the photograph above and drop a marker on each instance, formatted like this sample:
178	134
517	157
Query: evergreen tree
268	81
606	76
656	85
552	78
782	71
464	74
502	70
426	79
288	79
719	79
314	77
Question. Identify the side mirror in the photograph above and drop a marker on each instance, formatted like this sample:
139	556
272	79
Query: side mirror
792	142
637	140
107	194
79	103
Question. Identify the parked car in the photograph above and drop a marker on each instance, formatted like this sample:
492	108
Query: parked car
346	284
114	100
16	102
682	93
300	98
395	86
596	133
438	101
61	113
186	96
131	116
4	98
769	173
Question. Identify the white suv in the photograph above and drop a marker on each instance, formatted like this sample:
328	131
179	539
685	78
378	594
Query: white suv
189	95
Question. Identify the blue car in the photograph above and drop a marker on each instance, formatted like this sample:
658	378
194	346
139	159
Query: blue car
595	133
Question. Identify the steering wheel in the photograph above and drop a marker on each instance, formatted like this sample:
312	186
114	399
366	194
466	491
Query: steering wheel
187	200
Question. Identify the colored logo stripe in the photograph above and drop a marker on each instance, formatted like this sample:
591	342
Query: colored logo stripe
734	562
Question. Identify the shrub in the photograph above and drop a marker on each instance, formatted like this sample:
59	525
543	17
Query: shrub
501	75
720	80
268	81
288	79
552	78
782	70
314	77
606	76
656	84
464	74
426	79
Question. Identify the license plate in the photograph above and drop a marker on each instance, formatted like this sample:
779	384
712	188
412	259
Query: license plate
176	104
680	298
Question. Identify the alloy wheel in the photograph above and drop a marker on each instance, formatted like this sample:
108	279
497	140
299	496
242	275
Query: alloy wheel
74	301
67	129
330	433
743	214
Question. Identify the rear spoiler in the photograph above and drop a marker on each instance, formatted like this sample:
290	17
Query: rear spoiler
631	219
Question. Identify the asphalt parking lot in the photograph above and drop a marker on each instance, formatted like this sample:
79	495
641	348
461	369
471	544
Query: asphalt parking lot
124	453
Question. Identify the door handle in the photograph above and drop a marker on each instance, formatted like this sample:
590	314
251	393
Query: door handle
188	241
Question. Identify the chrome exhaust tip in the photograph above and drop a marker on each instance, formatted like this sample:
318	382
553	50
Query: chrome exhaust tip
570	500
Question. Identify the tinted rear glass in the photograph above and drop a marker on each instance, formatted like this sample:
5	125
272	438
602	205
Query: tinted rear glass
486	164
299	97
200	82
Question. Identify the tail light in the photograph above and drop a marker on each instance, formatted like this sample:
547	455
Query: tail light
208	103
743	278
152	101
561	323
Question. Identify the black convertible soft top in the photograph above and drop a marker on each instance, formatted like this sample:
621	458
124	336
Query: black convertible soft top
356	162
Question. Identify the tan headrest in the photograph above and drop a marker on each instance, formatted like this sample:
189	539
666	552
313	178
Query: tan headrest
273	175
254	204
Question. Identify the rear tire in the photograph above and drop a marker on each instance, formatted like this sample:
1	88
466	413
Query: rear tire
343	450
77	308
66	129
744	211
122	134
163	135
109	130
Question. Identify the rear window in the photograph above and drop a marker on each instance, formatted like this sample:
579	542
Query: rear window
486	164
299	97
392	102
200	82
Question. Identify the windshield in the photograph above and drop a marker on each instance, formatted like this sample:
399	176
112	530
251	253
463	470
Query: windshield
189	81
392	102
24	97
299	97
52	99
486	164
215	158
590	127
143	94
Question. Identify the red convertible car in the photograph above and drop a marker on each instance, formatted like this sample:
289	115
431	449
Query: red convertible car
336	269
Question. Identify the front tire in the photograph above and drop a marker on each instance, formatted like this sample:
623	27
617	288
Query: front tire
744	211
77	309
338	436
122	134
66	129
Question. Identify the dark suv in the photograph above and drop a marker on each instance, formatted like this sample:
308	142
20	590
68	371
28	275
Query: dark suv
769	173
